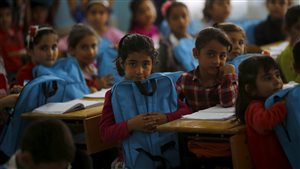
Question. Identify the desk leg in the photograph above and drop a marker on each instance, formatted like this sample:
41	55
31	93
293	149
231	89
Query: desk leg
94	143
240	154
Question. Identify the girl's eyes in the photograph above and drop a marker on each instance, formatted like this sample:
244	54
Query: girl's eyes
46	47
134	64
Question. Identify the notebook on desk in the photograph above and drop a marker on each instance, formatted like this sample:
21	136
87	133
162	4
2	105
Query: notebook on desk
97	95
213	113
65	107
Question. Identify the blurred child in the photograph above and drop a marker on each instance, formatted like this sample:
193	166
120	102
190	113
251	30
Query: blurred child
11	42
212	82
215	11
82	44
39	13
46	143
143	18
271	30
237	36
259	78
178	18
136	57
292	27
41	45
97	15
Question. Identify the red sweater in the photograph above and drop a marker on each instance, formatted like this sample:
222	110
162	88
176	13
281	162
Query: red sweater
111	131
25	73
264	147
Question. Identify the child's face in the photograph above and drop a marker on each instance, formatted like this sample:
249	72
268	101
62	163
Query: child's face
97	16
238	44
5	18
85	51
211	57
220	10
46	51
145	14
40	15
267	83
294	32
277	8
178	20
137	66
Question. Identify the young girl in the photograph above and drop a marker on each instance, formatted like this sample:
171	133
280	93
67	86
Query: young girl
41	45
135	62
212	82
82	44
143	18
178	18
259	78
97	15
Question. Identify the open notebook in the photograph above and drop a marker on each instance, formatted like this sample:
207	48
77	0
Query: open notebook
212	113
97	95
65	107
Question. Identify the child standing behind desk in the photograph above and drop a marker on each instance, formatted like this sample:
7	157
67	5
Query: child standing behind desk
136	56
212	82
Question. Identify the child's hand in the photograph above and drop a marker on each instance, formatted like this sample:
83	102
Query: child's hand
16	89
159	118
141	122
105	81
227	69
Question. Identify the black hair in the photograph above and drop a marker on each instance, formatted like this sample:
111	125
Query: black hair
173	5
248	71
48	140
35	34
78	32
134	4
292	16
210	33
207	7
131	43
296	54
228	27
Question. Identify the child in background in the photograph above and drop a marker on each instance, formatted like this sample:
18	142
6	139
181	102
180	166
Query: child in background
271	30
292	27
212	82
82	44
136	58
97	15
178	18
45	144
296	57
11	42
237	36
41	45
259	78
143	18
39	13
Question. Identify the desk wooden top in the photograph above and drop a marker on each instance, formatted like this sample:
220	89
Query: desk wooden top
201	126
76	115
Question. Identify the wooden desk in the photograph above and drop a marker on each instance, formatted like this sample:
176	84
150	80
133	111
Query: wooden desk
85	120
215	130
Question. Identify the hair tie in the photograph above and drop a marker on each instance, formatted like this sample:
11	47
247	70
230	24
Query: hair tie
165	7
33	31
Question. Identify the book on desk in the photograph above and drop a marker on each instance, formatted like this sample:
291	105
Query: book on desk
65	107
213	113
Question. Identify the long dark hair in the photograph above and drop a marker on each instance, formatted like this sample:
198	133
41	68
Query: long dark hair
248	71
131	43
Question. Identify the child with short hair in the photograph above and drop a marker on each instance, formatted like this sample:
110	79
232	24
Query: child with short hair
41	45
136	57
212	82
259	78
291	26
11	42
271	29
178	18
46	143
97	15
82	44
143	18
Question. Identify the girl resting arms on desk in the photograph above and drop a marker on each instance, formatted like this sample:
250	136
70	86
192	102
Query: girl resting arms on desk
136	56
259	78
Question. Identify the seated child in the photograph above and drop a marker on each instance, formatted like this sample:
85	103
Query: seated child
41	45
259	78
291	26
46	143
136	57
212	82
177	15
271	29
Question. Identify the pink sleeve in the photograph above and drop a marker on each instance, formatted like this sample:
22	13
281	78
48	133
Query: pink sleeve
110	131
263	120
